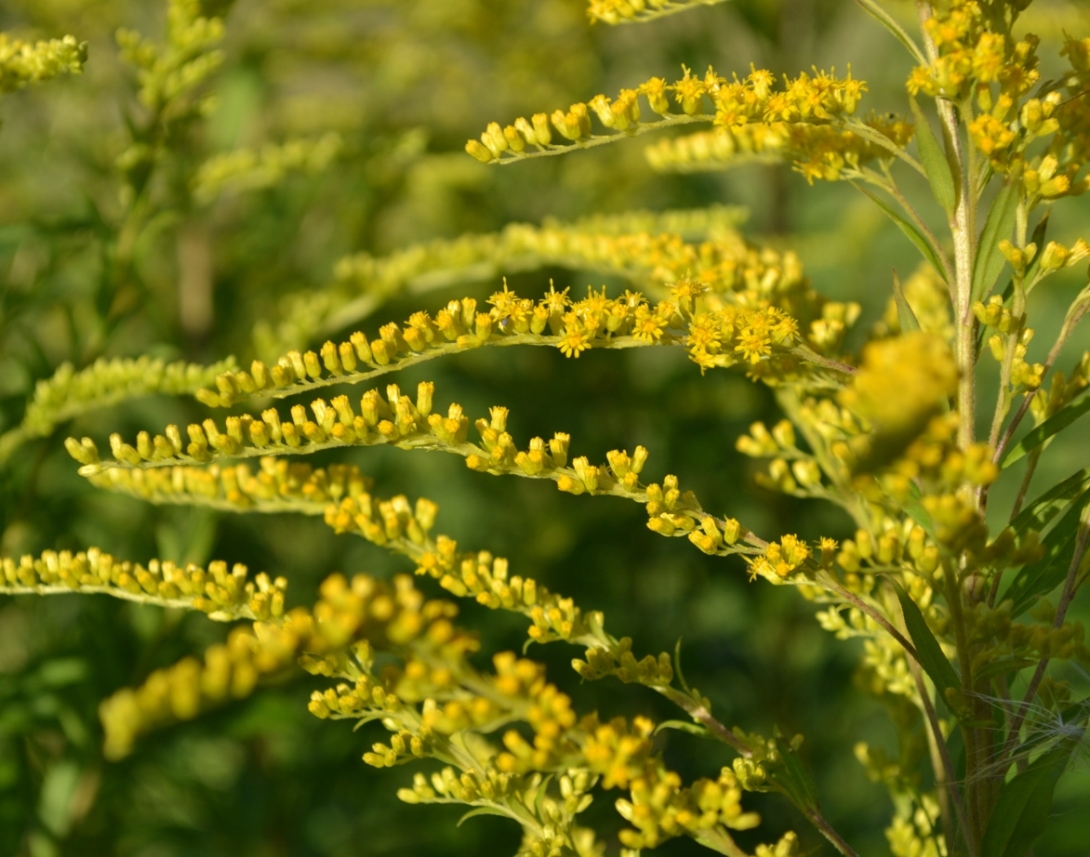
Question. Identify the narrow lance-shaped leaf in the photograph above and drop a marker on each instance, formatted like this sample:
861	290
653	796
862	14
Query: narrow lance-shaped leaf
1038	514
911	232
932	659
907	318
1000	222
935	164
1024	803
1047	429
1041	577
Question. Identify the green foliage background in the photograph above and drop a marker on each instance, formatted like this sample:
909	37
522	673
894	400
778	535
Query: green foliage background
405	82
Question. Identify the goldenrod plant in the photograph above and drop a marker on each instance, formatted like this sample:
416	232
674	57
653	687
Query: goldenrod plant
960	613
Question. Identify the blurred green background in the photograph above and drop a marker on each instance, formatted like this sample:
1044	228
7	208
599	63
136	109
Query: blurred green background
405	83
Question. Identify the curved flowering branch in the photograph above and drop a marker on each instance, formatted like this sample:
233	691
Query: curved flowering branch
437	705
825	152
70	393
648	248
340	493
818	100
638	11
225	595
713	337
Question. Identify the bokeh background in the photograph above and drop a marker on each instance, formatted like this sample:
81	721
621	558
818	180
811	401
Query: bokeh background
405	83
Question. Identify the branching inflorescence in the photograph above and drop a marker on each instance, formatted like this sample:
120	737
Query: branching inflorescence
953	616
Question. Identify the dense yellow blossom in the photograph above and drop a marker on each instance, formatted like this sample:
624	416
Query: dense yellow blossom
222	593
629	11
23	63
806	99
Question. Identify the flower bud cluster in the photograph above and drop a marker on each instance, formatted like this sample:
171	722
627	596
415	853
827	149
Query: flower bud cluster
817	151
922	370
384	521
971	54
491	785
781	559
661	808
23	63
1062	391
353	702
801	477
1001	637
278	485
349	617
629	11
387	617
191	686
670	511
1024	376
640	246
912	832
246	170
805	99
396	419
486	578
69	393
718	337
756	772
619	661
223	593
187	58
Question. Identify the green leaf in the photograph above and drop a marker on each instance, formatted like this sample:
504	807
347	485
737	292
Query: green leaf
792	779
1067	415
683	726
1022	809
989	261
1039	514
914	235
905	315
933	661
677	666
935	164
483	810
1041	577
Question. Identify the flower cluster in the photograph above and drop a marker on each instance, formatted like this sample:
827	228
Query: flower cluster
349	614
229	671
486	578
23	63
69	393
645	247
188	57
222	593
553	830
817	151
819	99
714	337
619	661
248	169
781	559
972	53
278	485
630	11
660	807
